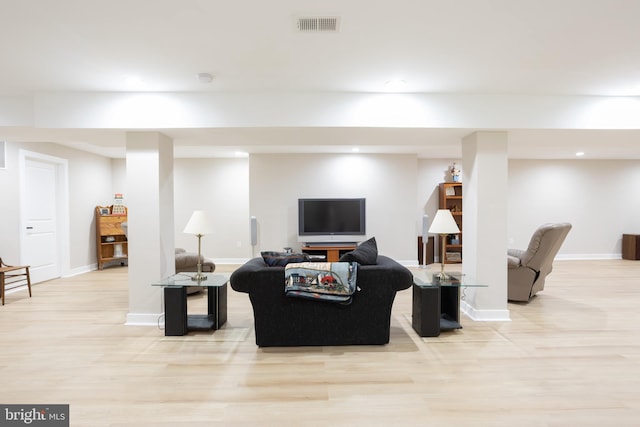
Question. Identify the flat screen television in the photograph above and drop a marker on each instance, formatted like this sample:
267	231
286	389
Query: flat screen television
331	220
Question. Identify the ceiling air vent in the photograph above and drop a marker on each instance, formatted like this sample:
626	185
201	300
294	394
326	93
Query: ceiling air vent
318	24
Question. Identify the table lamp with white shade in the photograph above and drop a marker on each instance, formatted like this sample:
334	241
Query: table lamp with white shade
199	224
443	224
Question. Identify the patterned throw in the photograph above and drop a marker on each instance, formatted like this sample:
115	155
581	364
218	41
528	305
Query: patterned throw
324	281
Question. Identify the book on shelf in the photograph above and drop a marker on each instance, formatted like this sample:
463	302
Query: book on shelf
454	256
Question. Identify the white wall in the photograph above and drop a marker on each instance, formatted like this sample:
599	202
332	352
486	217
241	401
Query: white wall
10	207
584	192
430	174
600	198
388	182
89	185
119	177
220	187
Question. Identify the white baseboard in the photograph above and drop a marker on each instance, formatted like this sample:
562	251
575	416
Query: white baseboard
145	319
80	270
580	257
484	315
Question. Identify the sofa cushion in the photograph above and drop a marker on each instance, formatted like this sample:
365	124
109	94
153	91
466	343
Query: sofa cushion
280	259
366	253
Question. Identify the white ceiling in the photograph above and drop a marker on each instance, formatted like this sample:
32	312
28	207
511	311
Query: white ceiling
504	47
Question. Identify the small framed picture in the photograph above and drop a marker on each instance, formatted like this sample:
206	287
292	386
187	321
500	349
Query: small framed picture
105	211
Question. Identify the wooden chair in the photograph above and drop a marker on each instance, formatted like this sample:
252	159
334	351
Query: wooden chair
12	272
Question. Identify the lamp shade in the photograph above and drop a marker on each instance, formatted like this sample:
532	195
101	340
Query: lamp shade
199	224
443	223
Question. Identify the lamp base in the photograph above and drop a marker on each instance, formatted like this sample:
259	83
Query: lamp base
442	276
198	277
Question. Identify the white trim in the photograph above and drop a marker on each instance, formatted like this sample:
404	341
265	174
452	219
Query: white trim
145	319
484	315
81	270
579	257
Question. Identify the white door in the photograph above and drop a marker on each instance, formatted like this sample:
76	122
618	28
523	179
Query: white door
39	210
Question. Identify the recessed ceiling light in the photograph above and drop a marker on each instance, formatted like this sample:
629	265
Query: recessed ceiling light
395	84
134	80
580	154
205	77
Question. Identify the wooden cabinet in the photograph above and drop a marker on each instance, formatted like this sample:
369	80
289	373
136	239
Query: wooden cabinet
631	246
451	198
111	241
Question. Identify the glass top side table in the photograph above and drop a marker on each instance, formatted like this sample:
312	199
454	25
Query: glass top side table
184	279
436	302
176	319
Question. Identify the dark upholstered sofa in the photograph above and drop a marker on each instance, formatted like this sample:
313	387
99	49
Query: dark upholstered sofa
286	321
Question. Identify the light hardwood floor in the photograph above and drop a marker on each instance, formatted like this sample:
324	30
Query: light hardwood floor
570	357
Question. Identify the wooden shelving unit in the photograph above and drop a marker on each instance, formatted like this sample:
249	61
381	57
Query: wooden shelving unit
111	241
451	198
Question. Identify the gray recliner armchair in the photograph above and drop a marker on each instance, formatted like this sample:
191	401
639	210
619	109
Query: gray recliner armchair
528	269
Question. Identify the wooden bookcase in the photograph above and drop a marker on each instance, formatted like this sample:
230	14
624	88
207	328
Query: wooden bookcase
451	198
111	241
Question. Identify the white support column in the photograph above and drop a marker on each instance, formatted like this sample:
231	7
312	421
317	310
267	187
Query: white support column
151	223
485	174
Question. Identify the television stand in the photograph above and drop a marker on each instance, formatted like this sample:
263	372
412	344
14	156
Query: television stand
331	253
338	244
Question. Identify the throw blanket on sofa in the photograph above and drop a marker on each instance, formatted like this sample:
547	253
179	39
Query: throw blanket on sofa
325	281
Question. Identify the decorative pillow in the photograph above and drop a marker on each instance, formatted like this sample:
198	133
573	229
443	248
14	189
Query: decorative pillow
365	254
280	259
